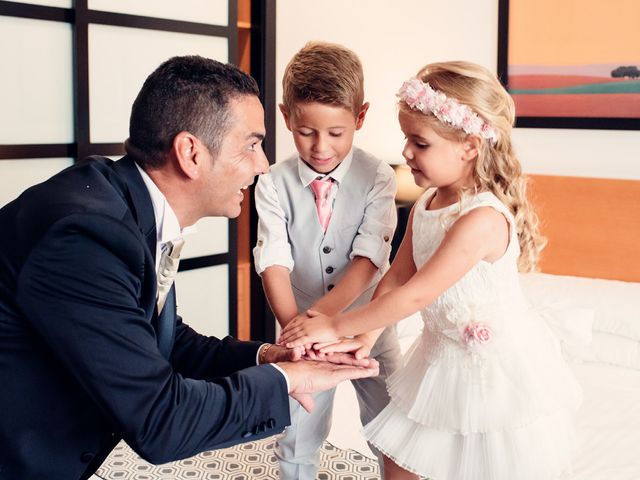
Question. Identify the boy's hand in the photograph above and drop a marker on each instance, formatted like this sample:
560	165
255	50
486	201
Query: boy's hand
317	327
278	353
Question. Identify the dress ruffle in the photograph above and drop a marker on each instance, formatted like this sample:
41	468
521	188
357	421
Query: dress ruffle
541	450
445	387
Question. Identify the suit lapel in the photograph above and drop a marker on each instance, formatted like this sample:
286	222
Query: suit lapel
135	193
141	207
139	200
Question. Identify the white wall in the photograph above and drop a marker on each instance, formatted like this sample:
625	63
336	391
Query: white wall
394	39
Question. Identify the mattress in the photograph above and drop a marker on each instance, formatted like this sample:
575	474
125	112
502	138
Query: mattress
608	424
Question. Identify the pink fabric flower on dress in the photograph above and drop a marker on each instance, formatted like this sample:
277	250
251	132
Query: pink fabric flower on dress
477	334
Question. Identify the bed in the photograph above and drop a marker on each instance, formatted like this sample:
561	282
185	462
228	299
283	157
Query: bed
589	292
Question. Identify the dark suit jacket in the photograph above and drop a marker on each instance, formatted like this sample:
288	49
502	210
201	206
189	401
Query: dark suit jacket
79	361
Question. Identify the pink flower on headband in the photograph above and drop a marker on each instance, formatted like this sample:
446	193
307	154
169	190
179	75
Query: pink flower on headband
421	97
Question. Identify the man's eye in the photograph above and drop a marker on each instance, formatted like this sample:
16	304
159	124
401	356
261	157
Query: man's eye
336	134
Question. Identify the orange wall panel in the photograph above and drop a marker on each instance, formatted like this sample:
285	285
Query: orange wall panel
592	226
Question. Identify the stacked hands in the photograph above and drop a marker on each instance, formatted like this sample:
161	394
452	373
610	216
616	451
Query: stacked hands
316	334
310	341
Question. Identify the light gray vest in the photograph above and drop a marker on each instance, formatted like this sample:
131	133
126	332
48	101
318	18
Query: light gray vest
320	259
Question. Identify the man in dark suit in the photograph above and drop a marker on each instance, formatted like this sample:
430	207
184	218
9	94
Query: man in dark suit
85	357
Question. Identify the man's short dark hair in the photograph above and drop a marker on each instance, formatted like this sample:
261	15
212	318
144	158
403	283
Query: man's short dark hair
190	94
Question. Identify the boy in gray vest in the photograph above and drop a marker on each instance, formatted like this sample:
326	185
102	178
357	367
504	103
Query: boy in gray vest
327	217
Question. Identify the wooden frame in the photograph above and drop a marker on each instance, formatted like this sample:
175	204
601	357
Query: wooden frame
80	16
552	95
263	69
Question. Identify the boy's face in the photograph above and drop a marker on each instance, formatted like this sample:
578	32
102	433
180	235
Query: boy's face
323	133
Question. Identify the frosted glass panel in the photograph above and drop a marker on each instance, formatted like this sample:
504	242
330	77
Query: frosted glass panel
120	59
48	3
212	237
18	175
36	84
202	11
203	299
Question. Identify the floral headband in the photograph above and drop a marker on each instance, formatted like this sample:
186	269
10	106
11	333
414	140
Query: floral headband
420	96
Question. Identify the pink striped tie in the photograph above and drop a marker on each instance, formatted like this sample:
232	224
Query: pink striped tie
321	190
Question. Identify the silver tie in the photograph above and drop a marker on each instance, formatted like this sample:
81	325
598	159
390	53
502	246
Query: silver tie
167	269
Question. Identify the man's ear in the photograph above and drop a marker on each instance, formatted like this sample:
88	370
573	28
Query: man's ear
471	147
363	113
285	115
186	151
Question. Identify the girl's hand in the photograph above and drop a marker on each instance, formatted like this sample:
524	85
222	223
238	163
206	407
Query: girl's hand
315	328
359	348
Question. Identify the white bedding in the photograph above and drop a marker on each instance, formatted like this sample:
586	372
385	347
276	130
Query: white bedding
608	423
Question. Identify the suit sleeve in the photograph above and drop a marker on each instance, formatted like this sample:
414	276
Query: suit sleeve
80	288
197	356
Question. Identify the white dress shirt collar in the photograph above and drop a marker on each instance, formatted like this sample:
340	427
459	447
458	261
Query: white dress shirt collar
167	224
307	174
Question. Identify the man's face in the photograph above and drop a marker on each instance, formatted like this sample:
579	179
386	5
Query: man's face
238	161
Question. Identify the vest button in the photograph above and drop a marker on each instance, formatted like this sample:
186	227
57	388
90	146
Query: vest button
330	287
386	238
326	249
86	457
329	269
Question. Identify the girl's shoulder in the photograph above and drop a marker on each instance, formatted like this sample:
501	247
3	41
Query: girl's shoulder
485	199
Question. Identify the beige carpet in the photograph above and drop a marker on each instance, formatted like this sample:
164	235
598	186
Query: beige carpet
249	461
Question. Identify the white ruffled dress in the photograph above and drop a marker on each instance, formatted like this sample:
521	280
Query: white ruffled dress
484	393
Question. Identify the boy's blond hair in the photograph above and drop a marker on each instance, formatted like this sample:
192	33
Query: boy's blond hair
325	73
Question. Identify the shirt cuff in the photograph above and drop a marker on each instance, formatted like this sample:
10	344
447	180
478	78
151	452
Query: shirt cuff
286	378
267	257
376	248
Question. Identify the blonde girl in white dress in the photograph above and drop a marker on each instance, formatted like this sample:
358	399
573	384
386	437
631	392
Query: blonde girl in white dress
484	393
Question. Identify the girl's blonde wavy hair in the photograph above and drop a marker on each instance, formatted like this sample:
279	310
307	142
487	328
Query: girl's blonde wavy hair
496	169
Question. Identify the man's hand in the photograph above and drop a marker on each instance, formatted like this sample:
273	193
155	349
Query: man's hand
307	377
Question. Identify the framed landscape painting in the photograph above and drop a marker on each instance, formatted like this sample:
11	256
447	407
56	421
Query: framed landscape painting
572	63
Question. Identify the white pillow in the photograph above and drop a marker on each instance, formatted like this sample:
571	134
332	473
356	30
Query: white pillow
609	349
616	304
572	326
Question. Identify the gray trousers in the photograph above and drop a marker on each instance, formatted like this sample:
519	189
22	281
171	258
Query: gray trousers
298	450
